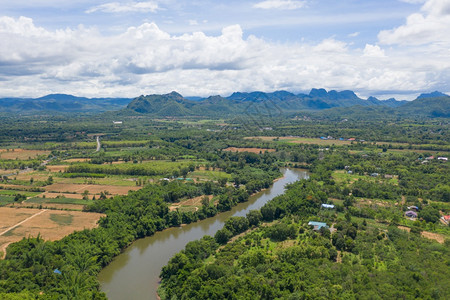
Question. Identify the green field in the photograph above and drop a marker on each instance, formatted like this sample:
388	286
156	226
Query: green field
343	176
6	200
209	175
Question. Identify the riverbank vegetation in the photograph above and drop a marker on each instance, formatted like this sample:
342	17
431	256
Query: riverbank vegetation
146	167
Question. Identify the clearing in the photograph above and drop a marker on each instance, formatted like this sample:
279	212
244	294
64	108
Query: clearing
91	188
300	140
21	154
252	150
17	223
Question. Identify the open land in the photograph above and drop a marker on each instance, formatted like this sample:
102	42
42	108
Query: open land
17	223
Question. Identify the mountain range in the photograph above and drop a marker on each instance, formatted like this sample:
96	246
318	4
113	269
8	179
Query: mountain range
433	104
62	103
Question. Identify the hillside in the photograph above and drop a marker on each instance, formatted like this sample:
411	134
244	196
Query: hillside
174	104
62	103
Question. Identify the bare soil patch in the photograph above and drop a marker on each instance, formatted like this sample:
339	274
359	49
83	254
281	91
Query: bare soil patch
58	206
50	224
57	168
71	160
252	150
21	153
91	188
197	201
66	195
434	236
426	234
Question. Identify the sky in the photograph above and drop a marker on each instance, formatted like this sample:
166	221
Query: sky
104	48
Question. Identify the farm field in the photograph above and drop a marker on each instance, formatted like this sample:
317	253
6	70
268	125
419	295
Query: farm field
300	140
50	224
21	154
92	188
252	150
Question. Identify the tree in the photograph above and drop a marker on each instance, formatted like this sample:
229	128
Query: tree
429	214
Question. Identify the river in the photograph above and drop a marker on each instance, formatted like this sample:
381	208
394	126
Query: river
134	274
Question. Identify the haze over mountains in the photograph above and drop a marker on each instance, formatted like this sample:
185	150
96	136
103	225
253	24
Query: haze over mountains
435	104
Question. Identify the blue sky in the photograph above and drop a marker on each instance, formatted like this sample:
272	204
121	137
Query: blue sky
127	48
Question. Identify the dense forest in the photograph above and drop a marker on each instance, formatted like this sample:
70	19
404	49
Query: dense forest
280	256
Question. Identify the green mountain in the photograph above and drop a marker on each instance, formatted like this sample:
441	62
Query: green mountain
62	103
278	102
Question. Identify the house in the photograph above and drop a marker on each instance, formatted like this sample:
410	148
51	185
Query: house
446	219
317	225
330	206
350	172
374	174
323	138
443	158
117	122
413	208
411	214
430	157
351	139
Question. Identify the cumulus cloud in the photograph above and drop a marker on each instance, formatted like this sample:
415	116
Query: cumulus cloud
430	25
413	1
373	51
145	59
280	4
116	7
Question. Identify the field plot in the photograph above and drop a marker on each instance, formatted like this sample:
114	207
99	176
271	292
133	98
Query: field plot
192	204
72	160
16	223
252	150
299	140
21	154
91	188
57	168
209	175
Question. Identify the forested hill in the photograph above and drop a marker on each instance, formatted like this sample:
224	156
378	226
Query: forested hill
331	103
62	103
174	104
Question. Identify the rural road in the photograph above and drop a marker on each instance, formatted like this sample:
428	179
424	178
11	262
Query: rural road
20	223
98	144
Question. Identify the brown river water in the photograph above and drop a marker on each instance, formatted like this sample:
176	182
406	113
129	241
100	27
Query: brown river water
134	274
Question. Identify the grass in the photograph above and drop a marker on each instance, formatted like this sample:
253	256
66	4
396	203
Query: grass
14	192
6	200
110	180
209	175
343	176
62	219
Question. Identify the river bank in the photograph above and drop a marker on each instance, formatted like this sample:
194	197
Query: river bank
135	273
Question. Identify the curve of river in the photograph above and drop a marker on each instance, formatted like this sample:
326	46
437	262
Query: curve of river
134	274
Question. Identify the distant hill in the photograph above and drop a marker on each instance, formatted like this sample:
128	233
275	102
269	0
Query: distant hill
428	106
438	107
434	94
174	104
62	103
332	102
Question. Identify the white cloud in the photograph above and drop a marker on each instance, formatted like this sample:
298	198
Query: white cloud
280	4
373	51
145	59
354	34
193	22
413	1
116	7
430	26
